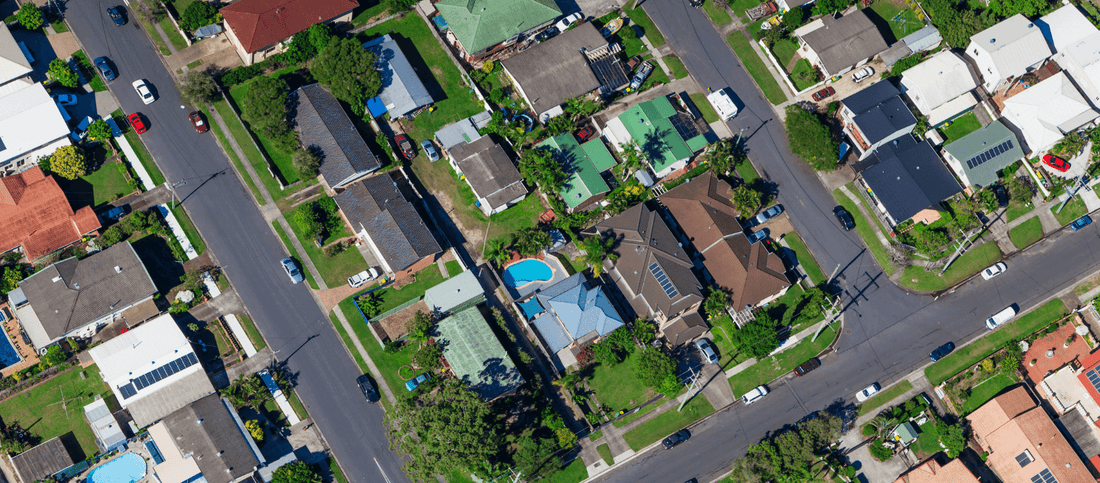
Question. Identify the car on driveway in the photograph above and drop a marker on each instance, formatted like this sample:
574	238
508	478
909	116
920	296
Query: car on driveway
568	21
758	235
114	213
405	146
995	270
942	351
367	387
136	122
807	366
824	93
867	392
768	214
105	69
414	383
1000	318
1080	223
65	99
198	121
706	349
641	75
357	280
118	15
676	438
292	271
1001	194
844	218
863	74
429	149
143	90
1055	162
754	395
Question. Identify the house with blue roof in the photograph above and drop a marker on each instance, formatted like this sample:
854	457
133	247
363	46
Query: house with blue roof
569	314
402	91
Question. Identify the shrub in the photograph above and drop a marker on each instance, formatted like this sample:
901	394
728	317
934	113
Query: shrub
868	430
428	357
880	452
240	74
62	72
198	14
29	16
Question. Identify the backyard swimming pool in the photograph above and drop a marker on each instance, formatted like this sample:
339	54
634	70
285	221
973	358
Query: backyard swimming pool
8	356
127	468
527	271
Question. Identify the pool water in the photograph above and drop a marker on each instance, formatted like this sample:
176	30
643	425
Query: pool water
127	468
8	356
527	271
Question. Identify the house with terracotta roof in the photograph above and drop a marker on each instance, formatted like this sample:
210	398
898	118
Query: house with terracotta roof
257	28
749	272
932	471
484	30
1023	443
36	218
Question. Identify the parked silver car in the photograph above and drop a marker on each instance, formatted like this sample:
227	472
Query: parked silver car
292	271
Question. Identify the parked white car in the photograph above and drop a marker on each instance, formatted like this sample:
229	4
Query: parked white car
363	277
995	270
1000	318
143	90
567	21
867	392
863	74
754	395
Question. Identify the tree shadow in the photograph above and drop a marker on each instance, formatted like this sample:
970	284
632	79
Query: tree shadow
882	24
162	266
422	69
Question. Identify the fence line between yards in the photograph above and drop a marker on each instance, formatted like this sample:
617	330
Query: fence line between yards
135	163
186	38
396	309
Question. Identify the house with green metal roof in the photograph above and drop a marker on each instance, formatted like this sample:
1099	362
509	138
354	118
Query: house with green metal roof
583	163
666	136
482	28
978	156
475	355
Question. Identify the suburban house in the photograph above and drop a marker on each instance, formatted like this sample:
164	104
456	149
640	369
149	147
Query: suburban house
485	30
931	471
489	171
666	136
584	185
475	355
1023	443
906	180
31	126
837	45
1072	393
76	297
152	370
942	87
205	440
653	271
583	62
924	39
323	125
568	315
978	156
1006	51
15	68
1075	42
1045	112
454	294
42	462
685	328
259	29
35	215
402	91
875	116
381	210
462	131
750	273
108	433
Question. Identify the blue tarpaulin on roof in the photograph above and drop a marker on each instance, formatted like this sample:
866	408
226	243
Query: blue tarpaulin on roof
440	23
376	106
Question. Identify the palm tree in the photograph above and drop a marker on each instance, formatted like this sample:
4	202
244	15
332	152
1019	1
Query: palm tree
531	240
596	250
496	250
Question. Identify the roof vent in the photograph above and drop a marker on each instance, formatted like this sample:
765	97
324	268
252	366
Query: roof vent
992	41
199	421
118	269
76	286
57	279
221	452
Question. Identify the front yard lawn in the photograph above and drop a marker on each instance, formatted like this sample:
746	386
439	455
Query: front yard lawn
703	105
717	12
863	226
775	366
248	181
1026	233
244	140
755	65
809	265
804	76
335	270
966	265
884	397
284	165
103	185
985	390
656	78
173	34
721	329
967	356
784	51
739	6
675	67
616	387
960	127
648	28
1073	210
667	423
747	172
52	408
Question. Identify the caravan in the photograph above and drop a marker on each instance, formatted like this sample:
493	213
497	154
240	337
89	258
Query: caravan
722	103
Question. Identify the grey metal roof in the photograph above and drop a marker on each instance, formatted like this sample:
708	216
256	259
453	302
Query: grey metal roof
553	333
895	53
476	355
104	425
215	438
556	70
843	42
583	310
1082	435
456	133
879	122
402	92
908	179
489	171
981	141
378	206
160	403
453	292
43	461
923	39
322	124
70	294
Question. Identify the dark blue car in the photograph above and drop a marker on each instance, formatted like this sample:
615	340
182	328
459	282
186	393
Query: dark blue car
104	67
118	15
1080	223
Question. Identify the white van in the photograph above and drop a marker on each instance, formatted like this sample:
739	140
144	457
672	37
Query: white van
723	104
1001	317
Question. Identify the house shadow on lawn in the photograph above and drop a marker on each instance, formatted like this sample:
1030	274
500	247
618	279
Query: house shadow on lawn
159	262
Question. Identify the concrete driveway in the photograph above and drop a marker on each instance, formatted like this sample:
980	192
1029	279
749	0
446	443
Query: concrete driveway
870	470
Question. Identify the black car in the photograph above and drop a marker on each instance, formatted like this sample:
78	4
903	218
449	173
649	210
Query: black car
942	351
118	15
676	438
104	67
368	388
844	218
1002	195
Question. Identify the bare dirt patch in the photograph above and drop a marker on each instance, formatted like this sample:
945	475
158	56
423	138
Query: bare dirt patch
394	325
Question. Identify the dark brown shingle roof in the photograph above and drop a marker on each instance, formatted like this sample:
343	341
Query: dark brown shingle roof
42	461
206	430
321	123
489	171
378	206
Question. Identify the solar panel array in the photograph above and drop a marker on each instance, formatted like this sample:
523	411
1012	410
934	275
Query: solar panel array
154	376
989	154
662	279
1094	378
1044	477
1024	458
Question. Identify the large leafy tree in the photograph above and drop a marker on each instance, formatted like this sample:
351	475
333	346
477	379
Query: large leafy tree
308	222
347	69
540	167
757	338
62	73
419	327
306	162
657	370
531	240
597	249
99	130
445	430
496	250
10	279
198	87
787	456
810	139
724	156
320	35
296	472
68	162
198	14
29	16
534	455
265	106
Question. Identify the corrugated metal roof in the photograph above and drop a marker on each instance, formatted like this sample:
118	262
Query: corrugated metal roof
480	24
453	292
402	92
476	355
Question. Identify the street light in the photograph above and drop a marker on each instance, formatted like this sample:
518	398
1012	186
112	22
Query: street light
172	187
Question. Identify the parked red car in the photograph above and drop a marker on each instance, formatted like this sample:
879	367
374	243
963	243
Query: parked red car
198	121
823	93
1056	162
584	134
137	123
405	146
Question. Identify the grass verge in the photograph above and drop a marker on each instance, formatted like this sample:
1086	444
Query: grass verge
605	453
1026	233
884	397
668	422
190	230
1073	210
348	343
755	65
90	72
648	28
675	67
704	107
805	259
253	333
717	12
248	181
144	158
389	364
966	265
574	473
157	39
747	172
863	226
294	253
244	140
771	367
173	34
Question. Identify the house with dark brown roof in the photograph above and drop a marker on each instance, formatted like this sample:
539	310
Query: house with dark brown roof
382	211
489	171
42	462
76	297
258	27
36	218
653	271
207	434
932	471
323	125
748	272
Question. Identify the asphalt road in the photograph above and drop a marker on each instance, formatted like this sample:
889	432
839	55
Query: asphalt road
888	332
245	246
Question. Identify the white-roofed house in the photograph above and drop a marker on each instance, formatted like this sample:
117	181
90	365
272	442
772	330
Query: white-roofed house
1006	51
1046	111
1065	27
941	87
15	69
108	433
1076	43
31	126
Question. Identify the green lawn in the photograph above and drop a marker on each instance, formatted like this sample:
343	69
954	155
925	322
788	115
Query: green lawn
294	253
1073	210
362	15
617	388
139	149
639	413
805	259
971	262
739	6
393	297
656	78
1026	233
173	34
243	139
784	51
804	76
576	472
1017	209
967	356
960	127
157	39
755	65
984	391
704	107
284	164
747	172
91	74
45	415
675	67
667	423
334	270
863	226
775	366
884	397
928	442
253	333
388	364
650	30
900	26
59	26
717	13
189	229
106	183
728	355
248	181
605	453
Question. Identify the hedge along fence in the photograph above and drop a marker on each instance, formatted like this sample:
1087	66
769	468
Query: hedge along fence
252	138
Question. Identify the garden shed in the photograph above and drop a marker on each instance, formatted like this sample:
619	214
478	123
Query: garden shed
455	294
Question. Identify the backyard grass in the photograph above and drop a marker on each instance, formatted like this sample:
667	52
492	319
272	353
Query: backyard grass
1073	210
884	397
639	17
173	34
89	72
616	387
101	186
189	229
960	127
363	15
667	423
248	181
739	6
675	67
771	367
902	20
966	265
863	226
967	356
704	107
805	259
334	270
392	297
244	140
804	76
784	51
44	413
574	473
1026	233
294	253
755	65
747	172
605	453
716	12
253	333
984	391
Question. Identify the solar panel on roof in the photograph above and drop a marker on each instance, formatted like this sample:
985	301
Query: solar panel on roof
1094	378
1044	476
127	391
192	359
666	285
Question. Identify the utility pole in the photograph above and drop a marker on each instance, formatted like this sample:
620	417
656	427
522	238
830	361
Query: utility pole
694	383
830	315
172	187
1080	184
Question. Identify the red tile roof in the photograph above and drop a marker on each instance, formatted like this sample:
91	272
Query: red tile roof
1088	363
1055	341
931	472
34	213
260	23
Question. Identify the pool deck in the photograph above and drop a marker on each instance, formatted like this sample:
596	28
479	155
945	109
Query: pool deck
26	352
559	275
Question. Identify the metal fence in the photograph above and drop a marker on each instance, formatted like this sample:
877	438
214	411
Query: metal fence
397	309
